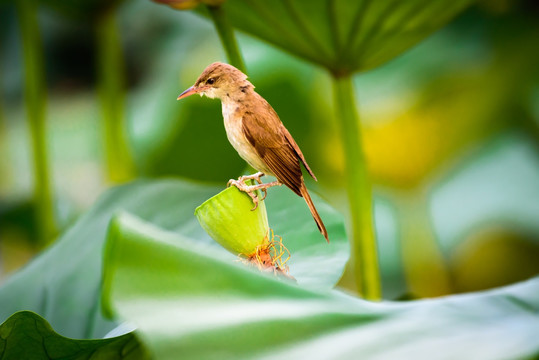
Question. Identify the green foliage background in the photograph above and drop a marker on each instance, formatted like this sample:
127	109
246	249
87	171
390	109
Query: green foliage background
448	139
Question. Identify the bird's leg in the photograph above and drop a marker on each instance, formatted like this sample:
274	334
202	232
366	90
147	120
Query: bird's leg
256	177
251	189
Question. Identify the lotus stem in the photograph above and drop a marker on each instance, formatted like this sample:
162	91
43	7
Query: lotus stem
35	93
226	35
364	253
111	89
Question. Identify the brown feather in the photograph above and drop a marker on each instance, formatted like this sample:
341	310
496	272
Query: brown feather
280	153
263	131
314	213
298	152
285	133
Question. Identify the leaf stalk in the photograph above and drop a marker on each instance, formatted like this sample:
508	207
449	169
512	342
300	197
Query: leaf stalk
226	35
35	93
363	264
111	90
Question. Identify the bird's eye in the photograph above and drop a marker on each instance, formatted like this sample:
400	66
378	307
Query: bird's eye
210	81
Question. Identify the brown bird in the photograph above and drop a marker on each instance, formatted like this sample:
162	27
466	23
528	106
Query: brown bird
256	132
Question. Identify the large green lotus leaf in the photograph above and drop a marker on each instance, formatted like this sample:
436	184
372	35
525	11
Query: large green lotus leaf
189	302
343	36
26	335
63	283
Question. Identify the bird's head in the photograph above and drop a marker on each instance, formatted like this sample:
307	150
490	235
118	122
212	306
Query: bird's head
218	80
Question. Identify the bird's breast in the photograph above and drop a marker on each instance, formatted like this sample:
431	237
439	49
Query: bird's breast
233	120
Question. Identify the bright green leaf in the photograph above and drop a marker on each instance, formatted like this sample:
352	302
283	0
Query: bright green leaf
189	301
26	335
63	283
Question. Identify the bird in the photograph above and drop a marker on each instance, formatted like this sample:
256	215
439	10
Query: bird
256	132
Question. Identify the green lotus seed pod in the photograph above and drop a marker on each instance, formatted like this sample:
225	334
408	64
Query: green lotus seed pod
229	219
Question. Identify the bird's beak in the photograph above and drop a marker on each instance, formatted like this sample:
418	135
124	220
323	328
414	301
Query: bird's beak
192	90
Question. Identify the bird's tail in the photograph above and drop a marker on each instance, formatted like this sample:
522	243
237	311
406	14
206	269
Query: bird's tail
315	214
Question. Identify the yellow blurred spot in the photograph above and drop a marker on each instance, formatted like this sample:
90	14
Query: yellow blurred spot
492	257
403	151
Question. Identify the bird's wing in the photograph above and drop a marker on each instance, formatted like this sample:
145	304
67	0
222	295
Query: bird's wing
276	122
265	132
297	150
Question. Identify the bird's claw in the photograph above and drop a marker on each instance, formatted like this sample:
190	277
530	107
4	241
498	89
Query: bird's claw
257	177
240	184
251	190
255	200
265	193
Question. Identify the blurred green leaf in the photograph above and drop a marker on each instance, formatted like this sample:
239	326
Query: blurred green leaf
340	35
81	9
187	300
63	283
197	146
452	112
493	256
26	335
